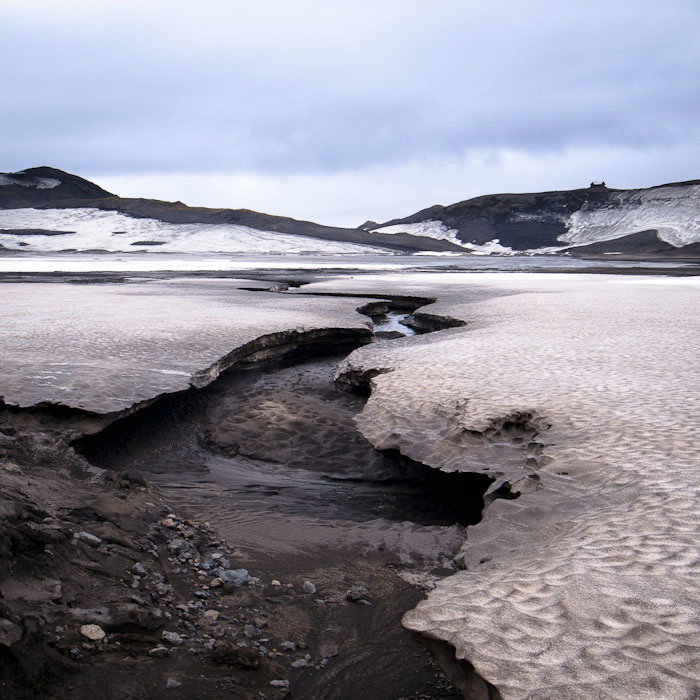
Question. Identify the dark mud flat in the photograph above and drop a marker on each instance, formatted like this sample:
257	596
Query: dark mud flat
272	459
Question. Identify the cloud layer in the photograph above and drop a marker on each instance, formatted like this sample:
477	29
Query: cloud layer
227	99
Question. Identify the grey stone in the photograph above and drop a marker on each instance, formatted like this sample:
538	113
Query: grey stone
10	633
308	587
171	638
159	652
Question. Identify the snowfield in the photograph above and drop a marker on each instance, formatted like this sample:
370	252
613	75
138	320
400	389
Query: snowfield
438	230
673	211
93	229
41	183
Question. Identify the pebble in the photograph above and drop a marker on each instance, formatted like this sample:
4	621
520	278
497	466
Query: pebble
88	538
357	594
279	684
172	683
10	633
288	646
139	569
212	615
171	638
275	583
159	652
251	631
237	577
308	587
92	632
216	583
168	522
299	663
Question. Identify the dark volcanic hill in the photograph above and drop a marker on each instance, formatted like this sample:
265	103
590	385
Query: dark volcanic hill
580	217
36	186
50	188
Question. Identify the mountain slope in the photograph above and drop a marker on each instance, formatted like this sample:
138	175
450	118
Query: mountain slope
35	198
555	219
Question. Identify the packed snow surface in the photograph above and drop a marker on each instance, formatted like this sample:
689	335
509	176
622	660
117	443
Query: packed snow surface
583	391
93	229
41	183
438	230
674	211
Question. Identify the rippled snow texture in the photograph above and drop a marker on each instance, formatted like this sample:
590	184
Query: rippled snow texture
93	229
588	586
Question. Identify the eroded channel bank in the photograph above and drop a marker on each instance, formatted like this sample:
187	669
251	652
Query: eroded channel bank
269	455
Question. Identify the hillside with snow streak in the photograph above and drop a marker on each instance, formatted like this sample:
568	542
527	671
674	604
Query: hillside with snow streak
673	211
80	229
547	222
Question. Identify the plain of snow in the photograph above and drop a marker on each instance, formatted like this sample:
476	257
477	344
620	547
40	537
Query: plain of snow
94	229
41	183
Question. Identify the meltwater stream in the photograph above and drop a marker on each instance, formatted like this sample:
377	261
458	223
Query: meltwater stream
272	457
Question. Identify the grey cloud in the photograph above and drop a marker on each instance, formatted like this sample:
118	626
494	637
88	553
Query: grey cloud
304	87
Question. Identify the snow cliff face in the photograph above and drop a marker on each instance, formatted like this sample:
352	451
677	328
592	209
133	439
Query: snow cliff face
94	229
674	211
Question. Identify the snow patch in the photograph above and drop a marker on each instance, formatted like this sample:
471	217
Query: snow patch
492	247
94	229
430	229
438	230
40	183
673	211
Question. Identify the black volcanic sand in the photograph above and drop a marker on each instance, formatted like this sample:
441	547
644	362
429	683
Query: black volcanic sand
272	458
289	490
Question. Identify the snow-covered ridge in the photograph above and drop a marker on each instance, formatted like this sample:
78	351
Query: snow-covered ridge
674	211
438	230
94	229
40	183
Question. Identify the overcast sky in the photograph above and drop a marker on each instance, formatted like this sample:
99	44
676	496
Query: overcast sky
343	110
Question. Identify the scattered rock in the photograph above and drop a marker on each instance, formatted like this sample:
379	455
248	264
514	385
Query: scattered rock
237	577
328	650
93	632
288	646
139	569
358	594
172	683
172	638
216	583
211	615
279	684
10	633
168	522
308	587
